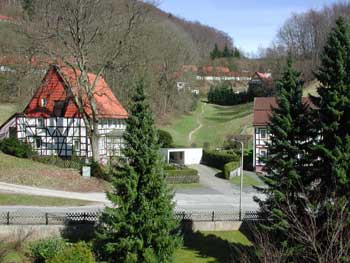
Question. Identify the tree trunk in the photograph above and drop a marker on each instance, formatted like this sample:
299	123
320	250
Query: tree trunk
94	138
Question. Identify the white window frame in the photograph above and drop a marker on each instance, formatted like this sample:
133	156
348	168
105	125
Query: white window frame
43	102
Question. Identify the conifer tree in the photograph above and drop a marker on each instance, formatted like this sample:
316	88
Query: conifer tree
333	105
226	52
141	227
216	53
287	164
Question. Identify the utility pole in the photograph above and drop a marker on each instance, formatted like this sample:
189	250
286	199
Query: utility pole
241	181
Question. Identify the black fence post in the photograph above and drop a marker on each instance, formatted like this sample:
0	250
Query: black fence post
46	218
183	216
212	216
8	218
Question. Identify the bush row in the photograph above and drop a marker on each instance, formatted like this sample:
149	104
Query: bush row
229	167
218	159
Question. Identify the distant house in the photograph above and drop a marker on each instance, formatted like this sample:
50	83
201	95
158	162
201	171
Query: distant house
259	80
210	73
6	19
262	112
53	125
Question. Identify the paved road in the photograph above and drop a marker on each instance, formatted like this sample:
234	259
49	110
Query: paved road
215	194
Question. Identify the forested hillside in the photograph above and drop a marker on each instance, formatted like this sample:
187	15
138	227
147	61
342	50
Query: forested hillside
304	36
147	43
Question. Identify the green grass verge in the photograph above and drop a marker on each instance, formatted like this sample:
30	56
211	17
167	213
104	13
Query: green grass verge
247	181
205	247
218	122
33	200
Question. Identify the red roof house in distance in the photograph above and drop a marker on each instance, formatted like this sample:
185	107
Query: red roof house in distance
53	124
6	19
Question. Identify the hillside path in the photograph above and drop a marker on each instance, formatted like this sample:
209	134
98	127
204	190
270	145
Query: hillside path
200	125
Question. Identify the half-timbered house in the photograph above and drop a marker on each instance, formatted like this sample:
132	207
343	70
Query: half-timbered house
53	125
261	138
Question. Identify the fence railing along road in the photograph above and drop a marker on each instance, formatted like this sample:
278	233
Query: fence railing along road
42	218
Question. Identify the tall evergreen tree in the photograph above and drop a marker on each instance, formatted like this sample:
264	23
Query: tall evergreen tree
141	226
216	53
226	52
287	164
333	105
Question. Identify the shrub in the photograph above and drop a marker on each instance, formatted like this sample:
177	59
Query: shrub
98	171
165	139
17	148
229	167
79	252
218	159
46	249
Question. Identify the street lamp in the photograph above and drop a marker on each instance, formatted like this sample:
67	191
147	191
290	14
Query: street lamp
241	188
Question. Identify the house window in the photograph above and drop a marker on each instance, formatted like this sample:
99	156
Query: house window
263	133
43	102
76	145
41	123
263	156
38	142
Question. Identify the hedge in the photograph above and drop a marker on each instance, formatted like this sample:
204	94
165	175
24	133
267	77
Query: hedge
218	159
15	147
229	167
181	175
181	172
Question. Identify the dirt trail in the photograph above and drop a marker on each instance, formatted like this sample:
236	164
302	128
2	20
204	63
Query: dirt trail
200	125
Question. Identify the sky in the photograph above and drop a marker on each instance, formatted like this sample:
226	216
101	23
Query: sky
251	23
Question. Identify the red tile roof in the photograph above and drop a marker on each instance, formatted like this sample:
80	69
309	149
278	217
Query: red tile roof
263	107
53	89
6	18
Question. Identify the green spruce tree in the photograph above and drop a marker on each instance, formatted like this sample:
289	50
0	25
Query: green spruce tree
141	227
226	52
288	161
333	105
216	53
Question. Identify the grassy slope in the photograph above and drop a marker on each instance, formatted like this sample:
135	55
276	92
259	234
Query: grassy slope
205	247
32	200
27	172
6	110
218	122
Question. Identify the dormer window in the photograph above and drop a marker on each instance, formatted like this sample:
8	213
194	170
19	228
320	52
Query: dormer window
43	102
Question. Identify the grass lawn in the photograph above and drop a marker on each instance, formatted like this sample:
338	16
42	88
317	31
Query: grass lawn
33	200
15	170
205	247
247	181
6	110
217	122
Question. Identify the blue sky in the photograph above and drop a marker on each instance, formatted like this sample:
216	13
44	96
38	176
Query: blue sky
251	23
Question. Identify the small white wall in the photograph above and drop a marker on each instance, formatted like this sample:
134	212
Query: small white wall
191	155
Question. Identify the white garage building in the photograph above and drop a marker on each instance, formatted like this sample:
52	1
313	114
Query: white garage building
183	156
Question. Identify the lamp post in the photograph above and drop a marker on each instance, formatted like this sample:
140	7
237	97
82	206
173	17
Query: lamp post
241	187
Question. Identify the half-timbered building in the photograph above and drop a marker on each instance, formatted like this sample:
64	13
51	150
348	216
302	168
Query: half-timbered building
261	138
53	125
